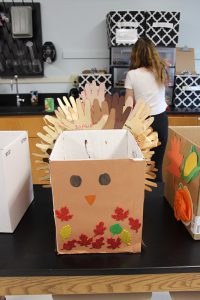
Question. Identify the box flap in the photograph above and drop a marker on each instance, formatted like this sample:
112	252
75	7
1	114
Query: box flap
95	145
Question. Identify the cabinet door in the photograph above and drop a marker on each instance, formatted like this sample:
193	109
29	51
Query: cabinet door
36	174
32	124
182	120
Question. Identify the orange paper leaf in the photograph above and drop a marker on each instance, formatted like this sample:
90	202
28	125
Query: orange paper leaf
175	157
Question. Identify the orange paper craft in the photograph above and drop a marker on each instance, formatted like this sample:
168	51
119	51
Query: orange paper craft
175	157
183	204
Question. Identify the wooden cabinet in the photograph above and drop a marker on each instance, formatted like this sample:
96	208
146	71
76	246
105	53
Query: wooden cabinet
184	120
32	124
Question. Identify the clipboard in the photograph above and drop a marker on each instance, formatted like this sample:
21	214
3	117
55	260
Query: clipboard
185	60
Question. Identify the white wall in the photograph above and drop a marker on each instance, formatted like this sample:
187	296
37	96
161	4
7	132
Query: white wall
78	30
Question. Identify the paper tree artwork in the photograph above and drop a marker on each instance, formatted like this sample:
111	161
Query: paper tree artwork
95	110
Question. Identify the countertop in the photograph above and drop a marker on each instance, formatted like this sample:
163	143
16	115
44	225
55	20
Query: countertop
171	110
8	106
30	250
39	110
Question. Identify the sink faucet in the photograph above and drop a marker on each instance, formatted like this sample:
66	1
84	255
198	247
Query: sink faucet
17	90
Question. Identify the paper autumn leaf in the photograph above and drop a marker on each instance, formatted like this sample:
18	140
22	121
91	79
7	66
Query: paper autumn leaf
84	240
98	243
125	237
120	214
116	229
69	245
63	214
175	157
65	232
99	229
114	243
134	224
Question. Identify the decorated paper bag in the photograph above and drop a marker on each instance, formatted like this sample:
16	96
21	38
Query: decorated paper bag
182	176
97	180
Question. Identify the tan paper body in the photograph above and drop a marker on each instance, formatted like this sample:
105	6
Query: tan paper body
112	223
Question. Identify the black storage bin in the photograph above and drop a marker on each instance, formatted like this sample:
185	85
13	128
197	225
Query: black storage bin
88	78
187	91
124	20
162	27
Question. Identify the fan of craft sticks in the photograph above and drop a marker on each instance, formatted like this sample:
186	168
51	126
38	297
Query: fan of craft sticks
94	111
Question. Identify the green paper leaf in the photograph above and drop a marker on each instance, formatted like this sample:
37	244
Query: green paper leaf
116	229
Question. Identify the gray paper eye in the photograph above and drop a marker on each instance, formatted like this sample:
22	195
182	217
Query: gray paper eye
75	180
104	179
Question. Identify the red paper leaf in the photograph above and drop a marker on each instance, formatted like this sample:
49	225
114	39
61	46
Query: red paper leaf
99	229
98	243
114	243
120	214
63	214
134	224
84	240
69	245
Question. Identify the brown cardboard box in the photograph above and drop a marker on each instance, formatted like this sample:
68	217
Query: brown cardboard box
182	166
185	60
97	179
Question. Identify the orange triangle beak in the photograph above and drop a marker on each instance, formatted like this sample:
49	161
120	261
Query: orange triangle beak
90	199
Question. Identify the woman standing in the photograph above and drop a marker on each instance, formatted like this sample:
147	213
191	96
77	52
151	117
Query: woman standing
146	80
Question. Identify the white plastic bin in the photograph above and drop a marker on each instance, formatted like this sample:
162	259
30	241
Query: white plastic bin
16	189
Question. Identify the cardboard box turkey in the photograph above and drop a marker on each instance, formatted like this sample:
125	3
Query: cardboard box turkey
184	137
97	179
16	189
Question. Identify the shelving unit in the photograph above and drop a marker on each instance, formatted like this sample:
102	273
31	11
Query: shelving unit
120	61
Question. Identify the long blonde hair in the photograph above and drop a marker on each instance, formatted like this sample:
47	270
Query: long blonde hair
145	54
